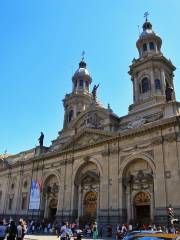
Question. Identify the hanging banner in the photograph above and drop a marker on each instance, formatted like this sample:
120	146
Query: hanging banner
34	202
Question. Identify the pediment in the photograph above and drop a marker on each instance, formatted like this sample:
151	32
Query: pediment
88	137
92	118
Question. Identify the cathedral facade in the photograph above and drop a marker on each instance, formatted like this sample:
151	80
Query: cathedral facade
102	166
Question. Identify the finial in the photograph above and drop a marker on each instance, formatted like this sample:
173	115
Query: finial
109	108
83	54
82	63
146	14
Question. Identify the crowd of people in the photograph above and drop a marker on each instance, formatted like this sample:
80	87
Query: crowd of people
12	231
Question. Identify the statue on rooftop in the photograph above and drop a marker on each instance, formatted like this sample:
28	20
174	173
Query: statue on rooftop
41	139
169	92
94	91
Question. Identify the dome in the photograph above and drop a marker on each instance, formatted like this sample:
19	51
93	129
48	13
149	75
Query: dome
82	72
147	29
147	32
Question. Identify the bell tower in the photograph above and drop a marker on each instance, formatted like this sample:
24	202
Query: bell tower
151	73
80	97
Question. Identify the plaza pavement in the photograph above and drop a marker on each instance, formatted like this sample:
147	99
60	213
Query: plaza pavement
42	237
51	237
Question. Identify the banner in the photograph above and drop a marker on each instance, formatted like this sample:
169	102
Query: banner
34	202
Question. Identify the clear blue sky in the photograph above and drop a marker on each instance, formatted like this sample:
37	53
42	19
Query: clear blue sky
40	46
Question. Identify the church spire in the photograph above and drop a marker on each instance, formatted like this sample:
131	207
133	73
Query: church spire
151	73
80	97
81	78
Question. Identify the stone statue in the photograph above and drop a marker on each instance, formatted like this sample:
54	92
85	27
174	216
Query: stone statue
41	139
169	92
94	91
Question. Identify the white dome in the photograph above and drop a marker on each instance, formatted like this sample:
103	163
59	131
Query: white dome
147	32
81	72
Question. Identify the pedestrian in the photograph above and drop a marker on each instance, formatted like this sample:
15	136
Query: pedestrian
12	231
63	231
2	230
109	231
101	231
19	231
68	231
95	231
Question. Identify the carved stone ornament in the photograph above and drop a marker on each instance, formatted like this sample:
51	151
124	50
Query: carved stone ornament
157	141
136	123
154	117
51	189
141	197
105	153
150	152
167	174
91	120
89	178
53	203
144	145
170	137
127	149
139	181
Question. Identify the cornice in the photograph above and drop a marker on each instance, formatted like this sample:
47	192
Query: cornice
157	57
119	137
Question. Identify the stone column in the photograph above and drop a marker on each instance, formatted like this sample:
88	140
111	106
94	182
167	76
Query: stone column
163	81
128	202
136	90
79	200
98	202
152	89
46	207
152	204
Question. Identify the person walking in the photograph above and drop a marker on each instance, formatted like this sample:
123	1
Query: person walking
2	231
20	231
63	231
95	231
12	231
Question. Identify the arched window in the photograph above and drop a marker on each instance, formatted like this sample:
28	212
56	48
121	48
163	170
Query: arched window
70	115
75	83
81	83
145	85
157	84
151	46
144	47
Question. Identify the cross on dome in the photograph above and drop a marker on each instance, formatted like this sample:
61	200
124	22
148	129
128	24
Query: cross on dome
83	54
146	14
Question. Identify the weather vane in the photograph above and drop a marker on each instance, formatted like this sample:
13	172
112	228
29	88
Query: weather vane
146	14
83	54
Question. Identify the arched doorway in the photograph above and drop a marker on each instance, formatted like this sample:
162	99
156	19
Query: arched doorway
52	210
50	198
90	203
138	183
142	207
86	193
